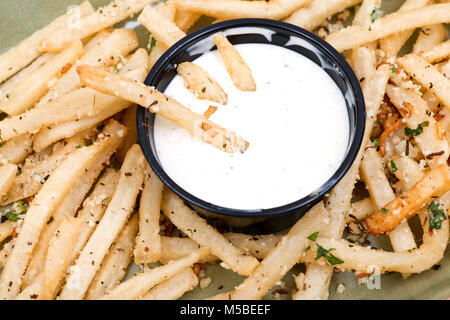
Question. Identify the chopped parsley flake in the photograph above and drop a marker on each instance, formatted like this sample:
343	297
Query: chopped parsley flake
394	69
313	236
152	45
376	142
88	142
437	215
418	131
376	12
393	166
10	215
115	69
384	210
322	252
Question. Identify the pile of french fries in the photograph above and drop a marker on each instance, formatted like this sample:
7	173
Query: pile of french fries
80	203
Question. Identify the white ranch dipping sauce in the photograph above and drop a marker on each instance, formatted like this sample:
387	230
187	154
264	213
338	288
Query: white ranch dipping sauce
296	122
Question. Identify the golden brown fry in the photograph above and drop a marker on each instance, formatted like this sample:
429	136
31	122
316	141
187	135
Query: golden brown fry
237	68
157	102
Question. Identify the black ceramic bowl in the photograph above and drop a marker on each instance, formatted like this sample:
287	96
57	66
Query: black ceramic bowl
256	31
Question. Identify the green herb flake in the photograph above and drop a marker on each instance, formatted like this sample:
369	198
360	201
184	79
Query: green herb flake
152	45
418	131
307	248
115	69
437	215
333	260
322	252
22	206
78	147
384	210
12	216
376	142
394	69
393	166
7	96
376	12
88	142
313	236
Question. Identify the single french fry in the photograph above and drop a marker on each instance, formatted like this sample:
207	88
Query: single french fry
103	18
8	85
96	40
25	52
202	233
40	210
129	121
6	229
73	200
167	9
157	102
33	291
173	288
318	11
27	92
431	141
5	252
174	248
435	183
340	197
160	27
437	53
283	257
392	44
148	242
138	285
429	37
7	175
58	255
116	262
354	36
185	19
238	70
16	150
118	44
201	83
360	210
115	217
427	75
231	9
408	171
136	67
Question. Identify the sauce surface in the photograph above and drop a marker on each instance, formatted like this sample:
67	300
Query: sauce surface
296	122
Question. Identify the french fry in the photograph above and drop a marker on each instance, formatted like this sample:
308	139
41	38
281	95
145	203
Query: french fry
232	9
238	70
138	285
257	246
148	242
185	19
116	262
173	288
40	210
103	18
309	289
119	43
202	233
27	92
174	248
431	141
434	184
96	40
360	210
429	37
427	75
392	44
200	83
283	257
148	97
21	55
72	201
156	51
8	85
167	9
160	27
318	11
136	67
354	36
437	53
129	121
58	255
5	252
16	150
115	217
408	171
33	291
7	175
6	229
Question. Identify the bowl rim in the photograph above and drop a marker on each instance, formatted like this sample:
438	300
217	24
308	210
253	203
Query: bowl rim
190	40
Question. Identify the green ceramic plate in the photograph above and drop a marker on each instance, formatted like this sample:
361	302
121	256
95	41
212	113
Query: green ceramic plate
20	18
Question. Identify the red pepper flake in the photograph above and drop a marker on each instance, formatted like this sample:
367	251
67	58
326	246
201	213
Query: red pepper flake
169	230
14	233
439	116
280	291
362	275
198	267
206	126
208	113
66	68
